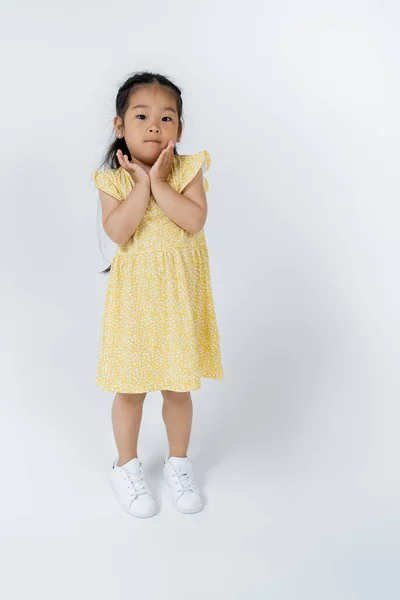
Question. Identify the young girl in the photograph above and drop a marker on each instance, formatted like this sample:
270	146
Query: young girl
159	329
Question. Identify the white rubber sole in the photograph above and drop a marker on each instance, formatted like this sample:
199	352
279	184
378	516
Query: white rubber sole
130	512
181	510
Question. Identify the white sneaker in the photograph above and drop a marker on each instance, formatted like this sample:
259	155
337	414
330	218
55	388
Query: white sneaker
130	487
178	475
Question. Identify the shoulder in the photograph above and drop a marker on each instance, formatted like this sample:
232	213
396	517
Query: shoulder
110	174
116	182
103	176
196	160
188	165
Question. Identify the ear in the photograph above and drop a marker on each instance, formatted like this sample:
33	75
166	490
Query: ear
179	132
117	125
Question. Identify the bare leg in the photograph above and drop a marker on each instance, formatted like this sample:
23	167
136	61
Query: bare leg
177	413
126	418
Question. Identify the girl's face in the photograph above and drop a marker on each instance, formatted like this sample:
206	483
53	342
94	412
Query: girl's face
151	120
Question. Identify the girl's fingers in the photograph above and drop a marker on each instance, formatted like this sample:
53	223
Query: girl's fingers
129	163
124	161
121	158
164	158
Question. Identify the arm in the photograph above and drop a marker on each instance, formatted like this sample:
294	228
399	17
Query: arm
121	219
187	209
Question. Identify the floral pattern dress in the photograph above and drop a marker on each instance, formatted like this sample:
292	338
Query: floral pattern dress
159	329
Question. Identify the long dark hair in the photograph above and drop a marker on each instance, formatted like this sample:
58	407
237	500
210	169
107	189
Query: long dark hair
121	105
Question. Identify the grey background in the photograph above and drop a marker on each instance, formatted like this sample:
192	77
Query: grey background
297	449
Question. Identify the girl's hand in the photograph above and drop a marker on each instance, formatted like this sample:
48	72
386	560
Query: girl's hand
138	174
163	165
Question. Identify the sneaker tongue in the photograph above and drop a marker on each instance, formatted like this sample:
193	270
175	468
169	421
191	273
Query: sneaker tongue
132	465
179	461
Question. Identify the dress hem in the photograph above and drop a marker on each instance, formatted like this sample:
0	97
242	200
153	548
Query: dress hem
171	388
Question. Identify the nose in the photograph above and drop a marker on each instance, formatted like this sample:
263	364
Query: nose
154	128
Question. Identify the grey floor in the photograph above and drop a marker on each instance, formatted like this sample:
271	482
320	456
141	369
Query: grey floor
301	502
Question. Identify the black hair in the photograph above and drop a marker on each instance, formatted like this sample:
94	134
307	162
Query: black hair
121	105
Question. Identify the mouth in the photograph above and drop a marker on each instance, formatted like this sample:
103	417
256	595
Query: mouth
152	142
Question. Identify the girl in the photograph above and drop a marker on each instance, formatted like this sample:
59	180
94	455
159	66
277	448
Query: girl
159	329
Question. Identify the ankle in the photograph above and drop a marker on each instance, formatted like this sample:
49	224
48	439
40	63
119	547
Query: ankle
123	460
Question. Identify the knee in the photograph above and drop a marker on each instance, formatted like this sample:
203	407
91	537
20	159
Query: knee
132	398
176	397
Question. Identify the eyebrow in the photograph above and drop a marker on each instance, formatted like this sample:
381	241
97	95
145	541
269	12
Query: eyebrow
146	106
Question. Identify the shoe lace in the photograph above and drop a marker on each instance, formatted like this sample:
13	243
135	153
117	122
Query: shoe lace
185	480
136	482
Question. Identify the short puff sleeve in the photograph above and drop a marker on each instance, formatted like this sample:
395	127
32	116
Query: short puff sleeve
191	165
106	181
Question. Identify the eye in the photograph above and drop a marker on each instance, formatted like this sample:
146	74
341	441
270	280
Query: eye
141	115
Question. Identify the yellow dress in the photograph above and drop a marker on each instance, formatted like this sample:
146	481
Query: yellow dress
159	328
